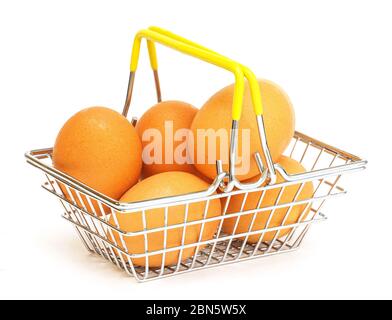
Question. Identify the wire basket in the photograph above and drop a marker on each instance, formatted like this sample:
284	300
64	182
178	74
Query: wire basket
202	239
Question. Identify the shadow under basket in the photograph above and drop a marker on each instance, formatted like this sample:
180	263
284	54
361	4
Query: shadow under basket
96	217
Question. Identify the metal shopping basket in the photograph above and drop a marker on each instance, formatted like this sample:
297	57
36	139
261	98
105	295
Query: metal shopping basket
96	216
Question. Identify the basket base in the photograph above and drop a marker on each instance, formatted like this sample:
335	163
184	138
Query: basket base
214	254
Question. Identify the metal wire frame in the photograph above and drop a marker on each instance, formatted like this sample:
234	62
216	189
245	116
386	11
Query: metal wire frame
102	235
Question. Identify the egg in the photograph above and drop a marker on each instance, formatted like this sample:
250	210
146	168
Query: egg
164	131
100	148
165	185
270	198
212	125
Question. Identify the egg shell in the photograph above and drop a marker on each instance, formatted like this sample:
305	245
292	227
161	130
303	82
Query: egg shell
270	198
168	118
163	185
100	148
216	115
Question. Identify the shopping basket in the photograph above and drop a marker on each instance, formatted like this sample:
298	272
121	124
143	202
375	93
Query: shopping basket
95	216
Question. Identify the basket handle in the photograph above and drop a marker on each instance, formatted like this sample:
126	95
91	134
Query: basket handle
185	46
197	52
249	75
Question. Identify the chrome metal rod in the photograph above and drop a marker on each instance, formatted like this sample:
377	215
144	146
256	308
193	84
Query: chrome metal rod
157	86
266	150
191	245
128	98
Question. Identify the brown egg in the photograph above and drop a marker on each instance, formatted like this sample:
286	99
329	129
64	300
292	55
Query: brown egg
216	117
100	148
164	185
270	198
165	128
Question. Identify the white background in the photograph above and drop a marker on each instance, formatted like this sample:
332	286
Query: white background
332	57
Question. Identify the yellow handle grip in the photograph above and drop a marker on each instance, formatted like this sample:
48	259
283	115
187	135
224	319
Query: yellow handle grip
152	52
207	56
254	87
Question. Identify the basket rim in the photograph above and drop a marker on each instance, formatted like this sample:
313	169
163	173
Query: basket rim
34	158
